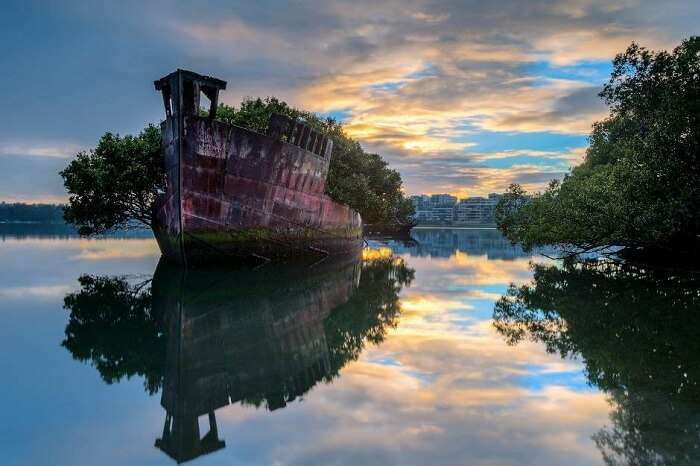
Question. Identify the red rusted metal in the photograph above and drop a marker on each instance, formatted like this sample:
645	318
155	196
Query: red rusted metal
233	193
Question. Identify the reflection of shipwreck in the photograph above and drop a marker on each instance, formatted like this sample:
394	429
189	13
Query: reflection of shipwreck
210	337
235	193
241	337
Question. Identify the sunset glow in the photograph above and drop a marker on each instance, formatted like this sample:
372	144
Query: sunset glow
441	89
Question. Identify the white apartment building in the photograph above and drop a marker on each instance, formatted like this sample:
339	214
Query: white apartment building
445	209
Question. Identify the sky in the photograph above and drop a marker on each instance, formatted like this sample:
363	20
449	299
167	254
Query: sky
464	97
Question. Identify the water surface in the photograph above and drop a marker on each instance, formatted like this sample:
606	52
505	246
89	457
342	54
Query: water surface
415	353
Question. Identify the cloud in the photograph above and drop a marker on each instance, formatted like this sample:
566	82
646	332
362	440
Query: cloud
572	156
31	179
572	112
29	198
411	82
52	292
463	177
410	76
568	47
63	150
430	18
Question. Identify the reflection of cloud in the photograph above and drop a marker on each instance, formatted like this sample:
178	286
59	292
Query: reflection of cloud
465	269
93	249
428	304
105	251
385	414
442	387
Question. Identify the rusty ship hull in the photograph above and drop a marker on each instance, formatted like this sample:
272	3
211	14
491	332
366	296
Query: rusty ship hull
234	194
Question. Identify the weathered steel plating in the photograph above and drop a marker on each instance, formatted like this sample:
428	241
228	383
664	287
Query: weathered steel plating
235	193
295	132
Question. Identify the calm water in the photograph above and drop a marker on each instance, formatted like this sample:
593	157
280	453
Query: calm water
414	354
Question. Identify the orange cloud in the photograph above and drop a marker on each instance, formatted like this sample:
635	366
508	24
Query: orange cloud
411	78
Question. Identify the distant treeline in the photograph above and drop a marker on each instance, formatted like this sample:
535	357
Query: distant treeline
39	213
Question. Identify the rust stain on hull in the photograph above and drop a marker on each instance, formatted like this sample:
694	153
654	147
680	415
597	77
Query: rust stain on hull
233	193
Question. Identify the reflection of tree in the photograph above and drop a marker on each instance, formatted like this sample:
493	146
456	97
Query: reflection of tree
637	332
111	325
211	337
370	312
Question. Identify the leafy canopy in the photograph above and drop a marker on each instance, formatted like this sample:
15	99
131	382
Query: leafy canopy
634	328
357	178
639	185
117	183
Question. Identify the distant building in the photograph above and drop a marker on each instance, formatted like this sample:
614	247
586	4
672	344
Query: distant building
445	209
443	200
423	207
421	201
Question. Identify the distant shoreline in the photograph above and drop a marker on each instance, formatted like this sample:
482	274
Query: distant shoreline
485	226
31	222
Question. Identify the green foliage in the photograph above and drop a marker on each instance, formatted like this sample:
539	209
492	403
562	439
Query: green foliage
366	183
115	184
635	329
255	113
639	186
112	326
359	179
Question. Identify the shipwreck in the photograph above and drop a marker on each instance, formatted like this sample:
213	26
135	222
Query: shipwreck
235	194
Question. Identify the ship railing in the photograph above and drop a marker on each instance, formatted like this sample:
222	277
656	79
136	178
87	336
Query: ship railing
299	134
